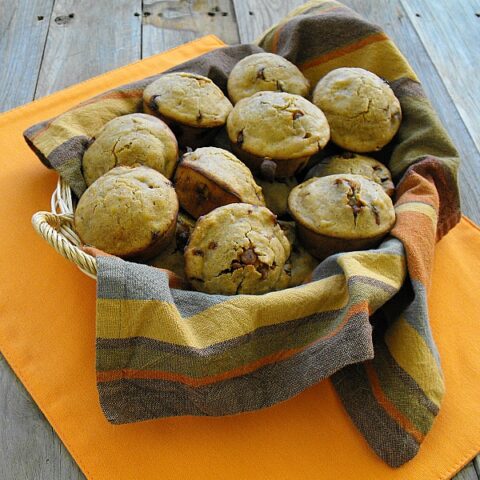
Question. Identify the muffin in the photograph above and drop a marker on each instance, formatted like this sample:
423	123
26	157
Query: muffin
192	105
265	72
276	193
128	212
340	213
234	249
210	177
300	265
129	140
171	257
276	133
357	165
361	109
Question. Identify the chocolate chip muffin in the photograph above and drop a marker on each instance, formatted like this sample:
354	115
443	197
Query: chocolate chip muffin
238	248
192	105
300	265
265	72
276	193
171	257
128	212
130	140
276	133
357	165
210	177
340	213
361	108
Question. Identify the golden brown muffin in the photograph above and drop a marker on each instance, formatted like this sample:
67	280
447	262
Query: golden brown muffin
276	193
276	133
357	165
130	140
192	105
265	72
300	265
128	212
171	257
210	177
362	110
237	248
340	213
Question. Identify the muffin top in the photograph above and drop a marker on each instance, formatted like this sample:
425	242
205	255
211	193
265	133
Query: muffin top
189	99
276	193
265	71
227	171
278	125
361	108
128	140
237	248
343	206
127	210
356	165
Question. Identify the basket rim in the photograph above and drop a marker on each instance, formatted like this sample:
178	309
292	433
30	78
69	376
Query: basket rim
58	230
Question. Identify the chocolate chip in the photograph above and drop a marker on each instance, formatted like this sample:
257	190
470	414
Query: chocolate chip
240	138
212	245
263	270
248	257
197	252
261	73
298	114
202	191
236	265
348	155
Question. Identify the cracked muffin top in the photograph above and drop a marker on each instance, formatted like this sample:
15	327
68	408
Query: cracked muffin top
342	206
357	165
278	126
265	71
128	212
189	99
361	108
210	177
238	248
129	140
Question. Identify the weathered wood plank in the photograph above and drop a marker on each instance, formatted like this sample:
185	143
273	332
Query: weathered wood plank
167	23
23	32
468	473
87	38
255	16
451	35
30	449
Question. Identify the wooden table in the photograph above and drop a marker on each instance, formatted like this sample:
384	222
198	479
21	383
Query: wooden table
47	45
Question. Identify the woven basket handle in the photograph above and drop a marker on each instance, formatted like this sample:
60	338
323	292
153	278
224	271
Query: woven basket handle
57	230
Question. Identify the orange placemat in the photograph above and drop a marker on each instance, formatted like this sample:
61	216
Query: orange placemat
47	334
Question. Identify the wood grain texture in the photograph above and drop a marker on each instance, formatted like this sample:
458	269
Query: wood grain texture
451	35
23	31
29	447
255	16
468	473
107	34
167	24
87	38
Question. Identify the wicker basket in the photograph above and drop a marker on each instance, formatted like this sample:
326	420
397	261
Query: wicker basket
56	227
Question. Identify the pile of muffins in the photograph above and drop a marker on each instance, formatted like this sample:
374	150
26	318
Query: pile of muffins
237	195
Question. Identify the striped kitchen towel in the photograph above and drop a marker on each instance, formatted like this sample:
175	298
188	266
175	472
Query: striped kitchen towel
362	319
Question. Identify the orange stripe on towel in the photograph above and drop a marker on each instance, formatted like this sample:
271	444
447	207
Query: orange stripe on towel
388	406
377	37
112	375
